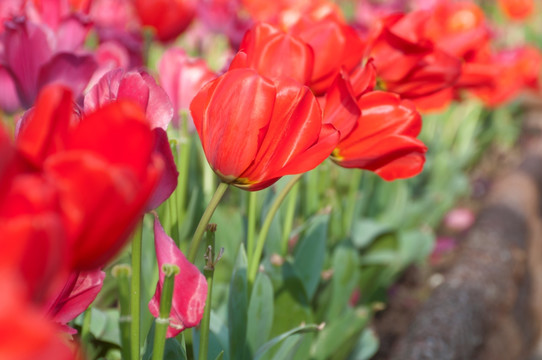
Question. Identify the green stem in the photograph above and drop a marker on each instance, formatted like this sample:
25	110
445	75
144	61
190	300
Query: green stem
85	328
162	322
289	218
183	156
311	193
136	291
251	228
123	273
352	200
206	217
208	271
255	259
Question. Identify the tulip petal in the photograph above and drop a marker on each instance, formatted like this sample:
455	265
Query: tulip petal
168	182
78	293
46	129
190	288
72	71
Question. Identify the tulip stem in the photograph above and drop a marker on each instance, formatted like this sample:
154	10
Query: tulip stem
205	218
183	157
251	228
123	273
136	291
162	322
208	271
289	218
352	200
85	328
255	257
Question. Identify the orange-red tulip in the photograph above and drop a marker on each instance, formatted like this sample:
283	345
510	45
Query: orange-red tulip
255	130
384	139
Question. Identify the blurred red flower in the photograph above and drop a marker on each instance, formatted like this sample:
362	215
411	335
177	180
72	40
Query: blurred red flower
169	18
517	9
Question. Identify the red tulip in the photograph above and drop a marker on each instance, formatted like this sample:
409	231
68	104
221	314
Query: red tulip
279	124
384	139
274	53
408	62
336	45
517	9
169	18
189	290
104	179
25	334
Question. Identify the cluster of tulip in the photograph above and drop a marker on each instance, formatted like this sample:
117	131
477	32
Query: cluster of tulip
90	155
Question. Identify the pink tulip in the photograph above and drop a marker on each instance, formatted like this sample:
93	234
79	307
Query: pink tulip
137	86
182	77
35	56
190	289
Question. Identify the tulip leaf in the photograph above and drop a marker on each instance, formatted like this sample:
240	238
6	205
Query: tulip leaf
173	349
289	295
367	230
415	246
366	346
220	356
260	312
310	254
276	340
237	307
104	325
345	278
340	334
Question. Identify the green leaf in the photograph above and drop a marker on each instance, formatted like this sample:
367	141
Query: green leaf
291	300
173	349
220	356
366	346
310	254
237	307
365	231
340	334
345	278
260	312
276	340
415	246
104	325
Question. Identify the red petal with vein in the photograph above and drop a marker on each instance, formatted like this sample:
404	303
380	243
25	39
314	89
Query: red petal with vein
234	109
190	288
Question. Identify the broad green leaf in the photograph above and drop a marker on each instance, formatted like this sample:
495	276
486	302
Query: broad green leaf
366	346
237	307
289	295
260	312
366	231
276	340
345	278
340	334
310	254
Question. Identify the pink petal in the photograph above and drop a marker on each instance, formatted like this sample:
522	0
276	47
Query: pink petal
168	182
78	293
73	71
9	101
26	48
190	289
